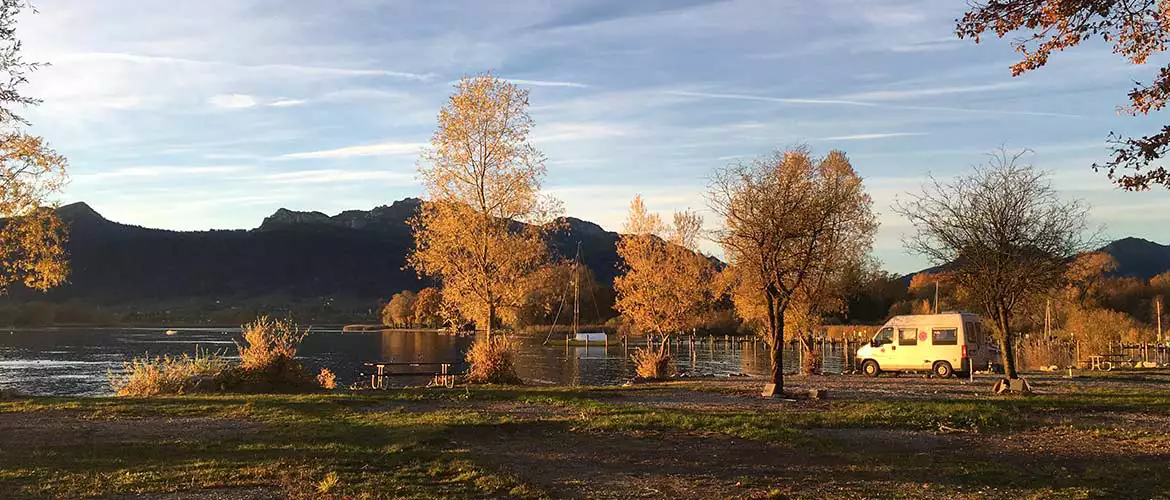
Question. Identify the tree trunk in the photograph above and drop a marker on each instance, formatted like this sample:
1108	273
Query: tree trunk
775	385
491	316
1007	343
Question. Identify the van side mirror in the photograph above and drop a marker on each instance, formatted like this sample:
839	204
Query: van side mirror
875	343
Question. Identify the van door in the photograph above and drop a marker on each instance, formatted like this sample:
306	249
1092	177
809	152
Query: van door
883	352
977	350
907	352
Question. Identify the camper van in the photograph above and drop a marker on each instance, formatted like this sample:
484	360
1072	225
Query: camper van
941	343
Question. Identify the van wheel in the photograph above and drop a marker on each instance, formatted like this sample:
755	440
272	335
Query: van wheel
870	368
942	369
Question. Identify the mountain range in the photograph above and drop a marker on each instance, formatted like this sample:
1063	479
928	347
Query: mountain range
360	255
355	254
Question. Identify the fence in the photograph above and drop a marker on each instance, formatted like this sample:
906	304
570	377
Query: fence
1040	353
836	356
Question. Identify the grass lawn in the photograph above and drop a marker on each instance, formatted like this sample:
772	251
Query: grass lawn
887	437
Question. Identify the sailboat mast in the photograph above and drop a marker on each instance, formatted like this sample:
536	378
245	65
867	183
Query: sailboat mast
576	289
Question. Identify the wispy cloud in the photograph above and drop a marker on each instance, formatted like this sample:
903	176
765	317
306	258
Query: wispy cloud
548	83
594	13
868	137
232	101
159	171
900	94
859	103
325	176
288	68
380	149
287	103
578	131
935	45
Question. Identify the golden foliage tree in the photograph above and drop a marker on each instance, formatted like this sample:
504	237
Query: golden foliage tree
31	174
31	234
794	224
400	310
667	283
428	308
1138	29
480	234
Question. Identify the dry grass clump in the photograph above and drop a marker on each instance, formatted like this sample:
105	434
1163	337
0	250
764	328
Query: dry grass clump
205	372
267	364
327	379
1034	354
492	361
268	342
653	363
268	357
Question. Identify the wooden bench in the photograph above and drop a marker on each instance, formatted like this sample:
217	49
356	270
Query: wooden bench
441	375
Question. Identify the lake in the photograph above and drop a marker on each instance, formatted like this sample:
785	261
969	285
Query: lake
76	361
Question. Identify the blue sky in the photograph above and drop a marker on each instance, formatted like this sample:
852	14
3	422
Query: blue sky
213	114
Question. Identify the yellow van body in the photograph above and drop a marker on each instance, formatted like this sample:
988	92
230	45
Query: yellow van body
945	344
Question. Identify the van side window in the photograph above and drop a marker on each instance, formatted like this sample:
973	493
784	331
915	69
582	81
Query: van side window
885	336
944	336
907	336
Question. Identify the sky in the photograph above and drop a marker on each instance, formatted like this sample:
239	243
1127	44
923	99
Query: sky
213	114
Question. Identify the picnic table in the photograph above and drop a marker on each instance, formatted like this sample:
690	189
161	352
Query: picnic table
1105	362
440	373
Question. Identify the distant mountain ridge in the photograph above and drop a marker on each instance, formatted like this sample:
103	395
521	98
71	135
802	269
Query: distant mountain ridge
360	254
1136	258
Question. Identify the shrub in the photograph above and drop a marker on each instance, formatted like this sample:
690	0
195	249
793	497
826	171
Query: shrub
204	372
6	395
493	361
653	363
327	379
268	358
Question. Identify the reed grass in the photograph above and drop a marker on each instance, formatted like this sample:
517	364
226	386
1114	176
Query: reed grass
206	371
492	361
653	363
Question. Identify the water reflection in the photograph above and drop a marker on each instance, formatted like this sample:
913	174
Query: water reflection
75	361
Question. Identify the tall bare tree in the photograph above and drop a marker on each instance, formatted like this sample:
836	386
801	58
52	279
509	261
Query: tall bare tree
1004	233
794	223
31	175
1138	29
482	180
666	284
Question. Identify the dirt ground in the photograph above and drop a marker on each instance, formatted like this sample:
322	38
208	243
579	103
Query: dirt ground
554	446
655	464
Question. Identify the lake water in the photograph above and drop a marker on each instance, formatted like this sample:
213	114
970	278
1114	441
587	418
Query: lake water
76	361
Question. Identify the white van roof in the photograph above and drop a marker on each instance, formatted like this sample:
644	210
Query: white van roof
910	319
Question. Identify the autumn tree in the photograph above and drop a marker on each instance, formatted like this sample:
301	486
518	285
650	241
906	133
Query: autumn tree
1137	29
400	310
31	175
428	308
792	224
1004	233
481	232
666	285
